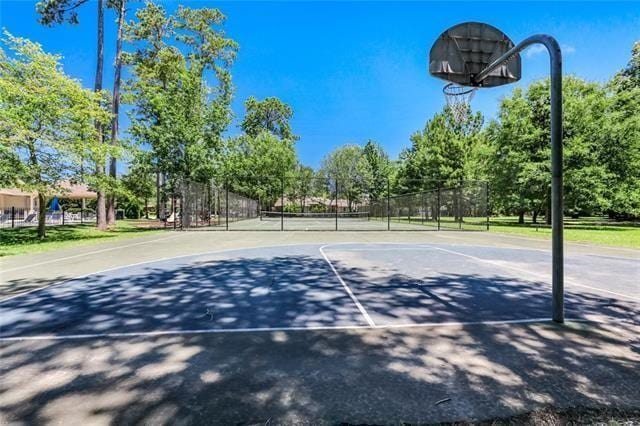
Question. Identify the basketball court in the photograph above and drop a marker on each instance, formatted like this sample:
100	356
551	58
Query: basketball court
322	286
179	325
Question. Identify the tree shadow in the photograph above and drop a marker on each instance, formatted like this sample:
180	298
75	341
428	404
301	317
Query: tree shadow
363	376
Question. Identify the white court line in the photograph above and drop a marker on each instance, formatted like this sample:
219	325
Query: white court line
32	265
346	287
515	268
275	329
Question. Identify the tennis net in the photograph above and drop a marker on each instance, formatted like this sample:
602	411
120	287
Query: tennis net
313	216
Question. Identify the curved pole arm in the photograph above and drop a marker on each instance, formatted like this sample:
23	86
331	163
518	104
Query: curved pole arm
557	209
549	42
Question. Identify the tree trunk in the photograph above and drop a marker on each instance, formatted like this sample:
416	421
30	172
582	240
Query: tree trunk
521	217
101	216
111	202
535	216
146	208
42	215
547	216
157	195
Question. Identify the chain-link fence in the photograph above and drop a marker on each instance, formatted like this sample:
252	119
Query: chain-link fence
323	204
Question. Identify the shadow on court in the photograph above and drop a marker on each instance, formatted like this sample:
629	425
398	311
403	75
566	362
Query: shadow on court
356	375
326	377
299	290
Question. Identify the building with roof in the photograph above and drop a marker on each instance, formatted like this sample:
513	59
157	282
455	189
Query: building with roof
28	201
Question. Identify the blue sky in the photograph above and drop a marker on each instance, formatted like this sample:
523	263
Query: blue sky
354	71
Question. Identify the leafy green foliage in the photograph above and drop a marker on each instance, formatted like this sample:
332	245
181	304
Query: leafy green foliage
377	169
139	182
46	120
271	115
58	11
175	112
349	168
442	154
520	159
256	166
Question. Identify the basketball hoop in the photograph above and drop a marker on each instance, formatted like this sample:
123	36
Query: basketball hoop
458	99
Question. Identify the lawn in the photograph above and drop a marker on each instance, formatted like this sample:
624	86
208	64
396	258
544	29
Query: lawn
25	239
588	230
596	230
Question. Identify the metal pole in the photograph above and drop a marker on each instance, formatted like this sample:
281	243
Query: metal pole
226	205
459	208
13	216
282	204
173	208
388	205
557	210
336	204
438	209
63	216
486	207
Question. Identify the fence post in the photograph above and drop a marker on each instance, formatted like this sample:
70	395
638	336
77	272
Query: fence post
209	204
226	204
282	203
438	207
13	216
388	206
459	207
337	192
487	204
196	206
173	209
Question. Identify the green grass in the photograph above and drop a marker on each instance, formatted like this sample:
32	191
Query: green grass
25	240
586	230
595	230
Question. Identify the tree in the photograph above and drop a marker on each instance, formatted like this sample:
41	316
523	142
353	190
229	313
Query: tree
139	182
60	11
174	111
299	185
256	166
520	163
378	168
520	175
46	120
270	115
347	166
441	154
621	147
120	6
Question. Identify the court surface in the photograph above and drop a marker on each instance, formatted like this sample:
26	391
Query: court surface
323	286
313	328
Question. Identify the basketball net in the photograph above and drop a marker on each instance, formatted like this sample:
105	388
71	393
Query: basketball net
458	99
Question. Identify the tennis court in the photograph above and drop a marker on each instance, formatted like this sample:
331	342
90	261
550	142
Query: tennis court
344	221
332	286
